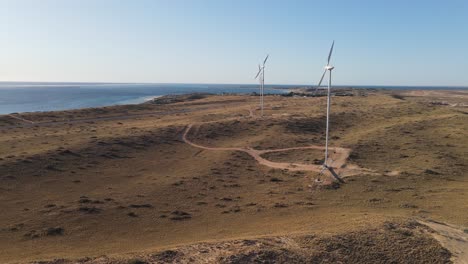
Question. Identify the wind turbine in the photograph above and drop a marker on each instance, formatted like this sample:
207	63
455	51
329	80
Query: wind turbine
328	68
261	77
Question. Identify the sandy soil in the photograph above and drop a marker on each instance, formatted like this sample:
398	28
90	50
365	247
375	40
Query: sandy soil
451	237
370	245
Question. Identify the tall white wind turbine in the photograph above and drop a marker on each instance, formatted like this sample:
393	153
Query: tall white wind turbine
328	68
261	77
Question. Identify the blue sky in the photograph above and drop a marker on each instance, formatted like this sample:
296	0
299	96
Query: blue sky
219	41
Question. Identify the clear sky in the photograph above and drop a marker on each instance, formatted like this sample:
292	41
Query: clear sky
378	42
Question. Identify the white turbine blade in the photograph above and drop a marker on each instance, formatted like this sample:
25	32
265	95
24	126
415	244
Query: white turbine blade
265	60
259	71
330	54
321	79
320	83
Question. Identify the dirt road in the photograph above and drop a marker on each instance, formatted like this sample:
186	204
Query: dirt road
339	158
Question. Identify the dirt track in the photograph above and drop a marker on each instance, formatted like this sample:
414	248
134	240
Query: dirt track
339	158
451	237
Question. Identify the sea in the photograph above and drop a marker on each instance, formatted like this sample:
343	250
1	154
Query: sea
17	97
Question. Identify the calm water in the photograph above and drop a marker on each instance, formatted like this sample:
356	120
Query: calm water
30	97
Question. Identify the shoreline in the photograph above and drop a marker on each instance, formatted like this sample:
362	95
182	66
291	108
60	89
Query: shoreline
135	101
286	91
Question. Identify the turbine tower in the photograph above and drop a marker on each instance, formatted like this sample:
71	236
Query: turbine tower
328	68
261	77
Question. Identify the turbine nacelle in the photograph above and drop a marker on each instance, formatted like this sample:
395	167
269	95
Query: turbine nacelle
328	67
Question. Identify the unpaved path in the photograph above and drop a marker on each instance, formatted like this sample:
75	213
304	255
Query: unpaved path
339	158
452	238
21	119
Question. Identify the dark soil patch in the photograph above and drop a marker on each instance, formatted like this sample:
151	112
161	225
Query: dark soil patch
180	215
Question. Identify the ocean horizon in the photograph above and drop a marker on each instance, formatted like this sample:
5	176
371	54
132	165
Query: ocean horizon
17	97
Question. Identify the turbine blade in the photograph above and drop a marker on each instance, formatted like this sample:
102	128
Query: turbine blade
259	71
321	79
330	54
256	76
266	58
320	83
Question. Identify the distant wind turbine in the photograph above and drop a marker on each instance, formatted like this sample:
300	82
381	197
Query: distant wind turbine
328	68
261	77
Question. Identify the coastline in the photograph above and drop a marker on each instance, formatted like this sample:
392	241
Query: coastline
139	100
21	98
49	99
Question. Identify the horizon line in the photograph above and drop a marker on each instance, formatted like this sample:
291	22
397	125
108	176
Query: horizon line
183	83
